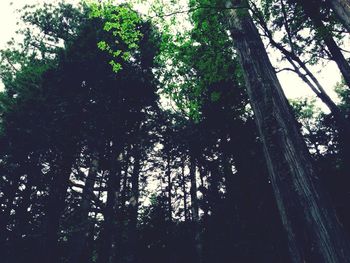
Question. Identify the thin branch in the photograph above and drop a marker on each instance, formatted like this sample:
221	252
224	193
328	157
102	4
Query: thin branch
198	8
286	26
285	69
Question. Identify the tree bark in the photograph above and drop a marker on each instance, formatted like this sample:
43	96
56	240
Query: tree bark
342	9
314	234
213	186
58	189
183	181
113	191
80	239
193	191
168	177
309	78
132	253
195	211
342	121
311	9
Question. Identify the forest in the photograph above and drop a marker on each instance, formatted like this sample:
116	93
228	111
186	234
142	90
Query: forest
158	132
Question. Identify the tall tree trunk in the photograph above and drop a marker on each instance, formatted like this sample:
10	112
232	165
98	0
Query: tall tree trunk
342	121
125	190
119	242
311	9
314	234
213	186
342	10
113	191
193	191
132	253
183	181
308	77
57	194
195	211
168	178
80	240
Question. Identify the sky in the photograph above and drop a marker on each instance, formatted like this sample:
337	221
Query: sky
328	74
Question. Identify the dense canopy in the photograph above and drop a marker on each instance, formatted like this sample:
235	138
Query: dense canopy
155	131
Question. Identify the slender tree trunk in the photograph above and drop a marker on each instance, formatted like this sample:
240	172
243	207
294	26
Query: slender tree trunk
168	177
342	10
213	186
55	207
195	211
80	239
132	253
312	11
193	191
183	181
119	242
125	190
109	224
314	234
204	176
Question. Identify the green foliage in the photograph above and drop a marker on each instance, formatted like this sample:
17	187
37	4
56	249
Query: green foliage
317	128
344	93
123	23
197	57
305	108
215	96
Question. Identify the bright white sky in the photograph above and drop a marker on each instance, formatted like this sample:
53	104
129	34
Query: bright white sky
328	75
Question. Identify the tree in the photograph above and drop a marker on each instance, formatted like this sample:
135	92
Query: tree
293	178
281	18
312	10
95	166
284	18
70	112
342	9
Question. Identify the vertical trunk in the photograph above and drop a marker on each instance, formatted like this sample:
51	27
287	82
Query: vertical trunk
113	188
55	207
195	211
213	186
204	175
313	231
236	189
193	191
121	213
309	78
183	179
337	56
342	120
124	191
132	252
80	251
168	177
342	10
